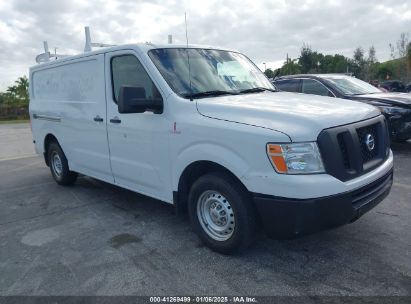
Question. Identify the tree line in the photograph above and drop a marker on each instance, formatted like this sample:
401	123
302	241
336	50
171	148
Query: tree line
363	65
16	94
14	101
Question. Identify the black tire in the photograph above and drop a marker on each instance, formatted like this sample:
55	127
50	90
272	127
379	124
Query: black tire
244	231
62	175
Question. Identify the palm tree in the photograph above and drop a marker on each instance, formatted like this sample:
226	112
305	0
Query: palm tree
19	92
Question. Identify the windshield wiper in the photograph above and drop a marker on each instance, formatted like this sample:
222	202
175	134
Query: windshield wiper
209	94
357	94
256	90
222	92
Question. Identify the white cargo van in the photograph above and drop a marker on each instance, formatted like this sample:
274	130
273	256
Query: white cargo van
202	128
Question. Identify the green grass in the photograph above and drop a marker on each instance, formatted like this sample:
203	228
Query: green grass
13	121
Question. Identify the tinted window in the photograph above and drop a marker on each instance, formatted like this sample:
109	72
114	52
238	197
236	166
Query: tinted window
288	85
126	70
311	86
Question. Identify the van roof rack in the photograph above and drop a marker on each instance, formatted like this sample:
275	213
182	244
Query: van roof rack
46	56
89	44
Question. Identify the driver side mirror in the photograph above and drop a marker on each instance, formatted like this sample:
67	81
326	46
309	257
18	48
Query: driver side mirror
133	100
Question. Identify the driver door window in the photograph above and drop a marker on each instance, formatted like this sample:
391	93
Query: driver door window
126	70
310	86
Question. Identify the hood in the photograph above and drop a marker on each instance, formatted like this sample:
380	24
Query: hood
394	99
301	116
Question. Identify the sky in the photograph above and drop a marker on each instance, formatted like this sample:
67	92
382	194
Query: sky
264	30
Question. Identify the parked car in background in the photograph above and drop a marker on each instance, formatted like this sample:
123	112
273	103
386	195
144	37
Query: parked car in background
377	84
408	88
394	86
396	107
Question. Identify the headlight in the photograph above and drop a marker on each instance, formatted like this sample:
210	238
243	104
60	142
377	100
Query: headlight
295	158
394	110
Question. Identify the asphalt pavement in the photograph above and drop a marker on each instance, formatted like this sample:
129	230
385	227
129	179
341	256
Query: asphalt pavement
97	239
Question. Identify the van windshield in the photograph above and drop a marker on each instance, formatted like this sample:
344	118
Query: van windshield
213	72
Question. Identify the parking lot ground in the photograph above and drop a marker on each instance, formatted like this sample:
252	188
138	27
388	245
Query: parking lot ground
97	239
15	141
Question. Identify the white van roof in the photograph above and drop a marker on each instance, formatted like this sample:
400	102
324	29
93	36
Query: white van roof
43	59
143	47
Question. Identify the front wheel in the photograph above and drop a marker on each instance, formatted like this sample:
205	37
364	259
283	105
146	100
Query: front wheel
59	166
221	213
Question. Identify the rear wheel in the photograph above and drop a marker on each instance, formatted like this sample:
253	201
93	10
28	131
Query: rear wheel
59	166
221	213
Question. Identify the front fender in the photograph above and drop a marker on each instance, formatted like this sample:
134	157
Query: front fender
224	156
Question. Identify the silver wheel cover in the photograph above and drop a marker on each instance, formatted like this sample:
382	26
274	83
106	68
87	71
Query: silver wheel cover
56	164
216	215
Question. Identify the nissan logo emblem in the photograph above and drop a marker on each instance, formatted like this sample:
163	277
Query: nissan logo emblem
370	142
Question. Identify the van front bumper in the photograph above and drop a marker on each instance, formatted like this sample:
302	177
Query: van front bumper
285	218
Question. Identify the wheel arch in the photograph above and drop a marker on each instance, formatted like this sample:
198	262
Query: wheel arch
48	139
190	174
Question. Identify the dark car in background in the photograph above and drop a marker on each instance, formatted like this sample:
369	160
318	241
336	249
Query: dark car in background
396	107
394	86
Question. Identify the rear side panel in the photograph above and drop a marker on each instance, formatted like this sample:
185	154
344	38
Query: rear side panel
65	100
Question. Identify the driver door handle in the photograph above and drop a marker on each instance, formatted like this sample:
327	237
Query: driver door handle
115	120
98	119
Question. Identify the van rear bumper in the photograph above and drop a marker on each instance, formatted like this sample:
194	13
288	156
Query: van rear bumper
285	218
